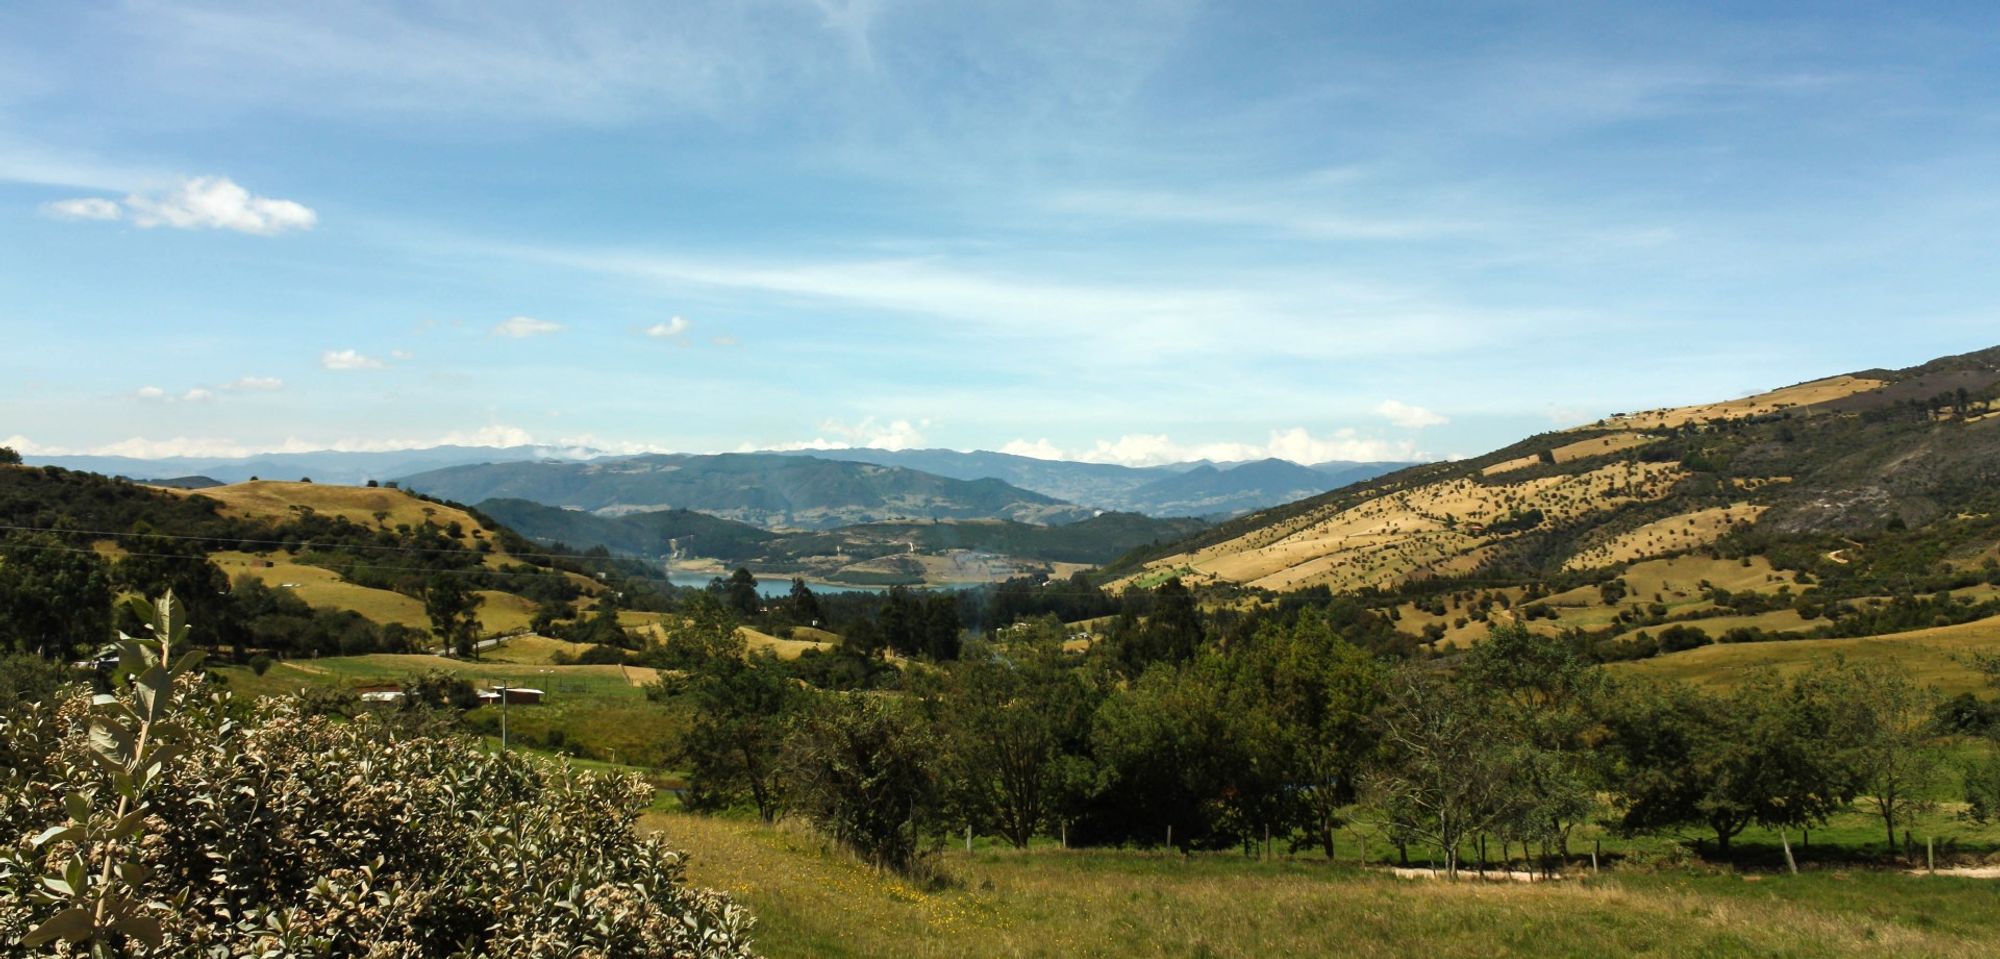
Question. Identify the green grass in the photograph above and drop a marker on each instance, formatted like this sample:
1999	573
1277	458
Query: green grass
812	901
592	712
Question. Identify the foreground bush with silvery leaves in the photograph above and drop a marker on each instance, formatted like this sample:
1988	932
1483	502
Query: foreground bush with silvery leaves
286	834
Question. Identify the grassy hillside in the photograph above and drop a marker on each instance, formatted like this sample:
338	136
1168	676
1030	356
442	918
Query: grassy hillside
1051	902
1848	455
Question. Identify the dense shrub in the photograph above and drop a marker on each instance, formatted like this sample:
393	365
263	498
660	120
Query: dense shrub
289	834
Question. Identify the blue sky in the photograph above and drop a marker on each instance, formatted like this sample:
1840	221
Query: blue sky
1128	232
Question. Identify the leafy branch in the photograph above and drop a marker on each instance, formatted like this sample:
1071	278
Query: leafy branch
98	889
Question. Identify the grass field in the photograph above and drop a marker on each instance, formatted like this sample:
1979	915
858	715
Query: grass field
1939	657
810	901
320	586
1804	394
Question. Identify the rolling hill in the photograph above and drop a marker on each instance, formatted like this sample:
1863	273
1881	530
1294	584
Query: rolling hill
1220	488
827	554
769	490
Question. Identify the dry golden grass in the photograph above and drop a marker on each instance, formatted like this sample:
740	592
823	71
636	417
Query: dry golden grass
1804	394
1939	656
1595	446
756	641
533	650
274	500
1437	528
654	631
1675	534
320	586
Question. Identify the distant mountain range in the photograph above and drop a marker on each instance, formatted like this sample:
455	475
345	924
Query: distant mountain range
324	466
684	533
762	489
1179	489
1203	488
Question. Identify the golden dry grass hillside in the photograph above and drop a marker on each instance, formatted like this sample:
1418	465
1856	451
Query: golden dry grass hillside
1439	528
1791	397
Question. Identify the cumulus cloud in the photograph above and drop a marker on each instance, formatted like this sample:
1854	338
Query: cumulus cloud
1409	417
349	360
521	327
254	384
870	433
150	393
198	203
1040	449
217	203
84	208
671	328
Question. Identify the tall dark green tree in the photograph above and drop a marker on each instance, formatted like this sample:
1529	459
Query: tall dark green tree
803	605
55	599
1018	720
739	591
158	564
742	705
453	608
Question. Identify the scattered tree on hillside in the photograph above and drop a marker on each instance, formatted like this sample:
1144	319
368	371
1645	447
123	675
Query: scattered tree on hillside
453	610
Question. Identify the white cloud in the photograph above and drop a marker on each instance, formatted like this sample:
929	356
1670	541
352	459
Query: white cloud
869	434
150	393
1295	444
671	328
84	208
521	327
576	447
216	203
349	360
1040	449
255	383
1409	417
197	395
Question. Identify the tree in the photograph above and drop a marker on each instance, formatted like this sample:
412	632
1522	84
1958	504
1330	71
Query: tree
1887	725
8	456
803	605
453	611
704	631
1766	753
156	565
1018	721
55	600
864	770
1449	770
1172	632
1323	691
739	591
1549	700
741	706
